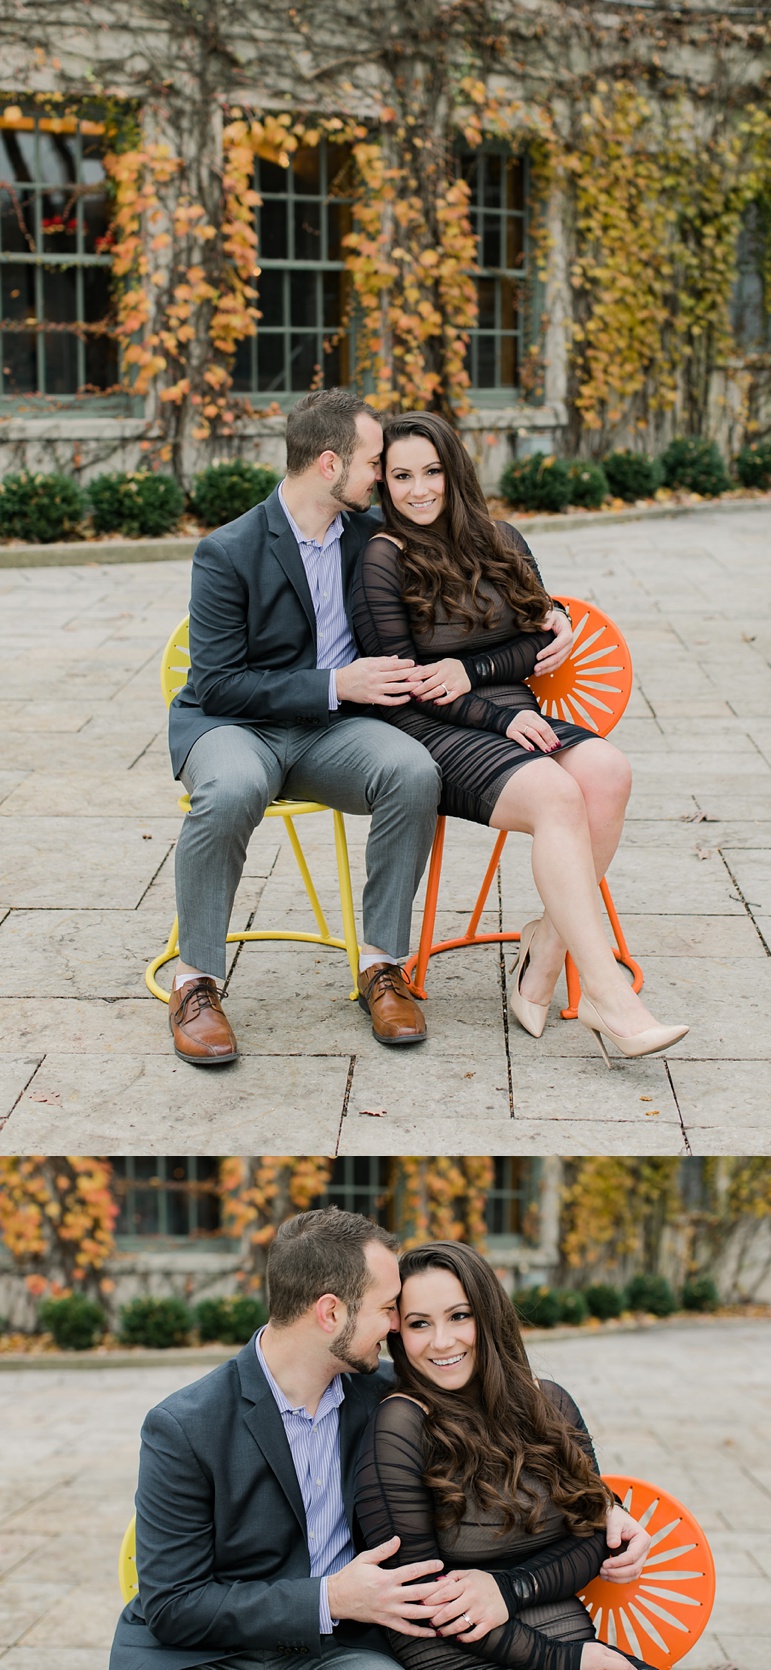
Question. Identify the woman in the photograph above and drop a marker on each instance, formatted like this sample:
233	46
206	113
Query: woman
460	595
472	1461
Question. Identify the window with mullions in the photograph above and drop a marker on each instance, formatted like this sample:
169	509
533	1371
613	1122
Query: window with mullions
54	270
163	1196
509	1197
750	318
361	1185
303	338
498	213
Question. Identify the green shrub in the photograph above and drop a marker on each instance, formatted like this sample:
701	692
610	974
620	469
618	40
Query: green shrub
753	464
632	475
224	491
76	1323
157	1323
233	1320
699	1293
604	1300
538	1307
537	483
695	464
588	483
39	508
651	1293
142	503
573	1306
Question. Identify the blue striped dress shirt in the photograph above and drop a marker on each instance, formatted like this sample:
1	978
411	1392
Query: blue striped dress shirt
323	564
314	1441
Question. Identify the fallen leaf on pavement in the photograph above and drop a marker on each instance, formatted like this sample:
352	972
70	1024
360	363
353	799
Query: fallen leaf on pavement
372	1113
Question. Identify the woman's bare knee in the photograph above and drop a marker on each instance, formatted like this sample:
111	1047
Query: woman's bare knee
538	791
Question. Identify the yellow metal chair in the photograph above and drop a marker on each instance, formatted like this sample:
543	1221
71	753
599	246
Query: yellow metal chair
174	669
658	1618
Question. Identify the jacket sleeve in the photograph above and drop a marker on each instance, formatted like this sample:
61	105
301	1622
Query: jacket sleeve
183	1601
225	684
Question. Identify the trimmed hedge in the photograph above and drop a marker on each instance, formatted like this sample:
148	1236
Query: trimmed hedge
158	1323
538	483
588	483
224	491
632	475
233	1320
537	1307
573	1306
753	464
604	1300
75	1322
138	503
651	1293
700	1293
39	508
696	464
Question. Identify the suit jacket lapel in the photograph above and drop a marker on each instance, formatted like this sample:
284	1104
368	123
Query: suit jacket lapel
262	1417
287	553
353	1418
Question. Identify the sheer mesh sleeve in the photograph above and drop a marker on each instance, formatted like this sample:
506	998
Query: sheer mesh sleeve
503	664
382	627
392	1500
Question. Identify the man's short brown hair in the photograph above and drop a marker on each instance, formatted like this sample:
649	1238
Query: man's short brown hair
324	421
321	1252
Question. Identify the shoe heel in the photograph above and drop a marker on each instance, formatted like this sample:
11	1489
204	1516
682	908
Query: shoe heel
601	1042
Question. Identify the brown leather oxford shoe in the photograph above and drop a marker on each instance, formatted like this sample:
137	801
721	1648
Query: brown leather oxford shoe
199	1026
385	994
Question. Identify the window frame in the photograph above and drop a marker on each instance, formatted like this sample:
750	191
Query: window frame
47	260
288	265
125	1184
500	395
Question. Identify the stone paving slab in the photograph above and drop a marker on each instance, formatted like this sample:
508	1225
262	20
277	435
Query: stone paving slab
88	822
653	1401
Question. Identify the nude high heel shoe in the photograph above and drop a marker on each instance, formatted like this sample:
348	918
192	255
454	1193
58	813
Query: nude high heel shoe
637	1043
532	1016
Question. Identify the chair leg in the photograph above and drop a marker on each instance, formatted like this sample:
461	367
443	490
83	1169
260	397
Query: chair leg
171	951
302	865
418	981
621	953
346	901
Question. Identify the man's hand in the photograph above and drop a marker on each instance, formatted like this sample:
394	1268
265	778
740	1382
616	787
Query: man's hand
391	1599
375	679
552	657
474	1593
441	681
623	1532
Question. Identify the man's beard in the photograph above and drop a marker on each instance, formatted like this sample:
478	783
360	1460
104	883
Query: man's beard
341	1349
339	493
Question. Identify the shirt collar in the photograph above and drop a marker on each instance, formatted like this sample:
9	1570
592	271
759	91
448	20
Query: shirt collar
331	1397
334	531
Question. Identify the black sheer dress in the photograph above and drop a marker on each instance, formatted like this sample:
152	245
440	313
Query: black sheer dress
538	1574
467	737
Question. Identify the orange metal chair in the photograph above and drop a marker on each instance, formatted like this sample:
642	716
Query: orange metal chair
661	1616
592	688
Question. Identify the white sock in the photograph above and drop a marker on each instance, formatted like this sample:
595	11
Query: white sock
179	979
369	960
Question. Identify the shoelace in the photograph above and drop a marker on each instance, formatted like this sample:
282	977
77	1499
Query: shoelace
206	997
392	977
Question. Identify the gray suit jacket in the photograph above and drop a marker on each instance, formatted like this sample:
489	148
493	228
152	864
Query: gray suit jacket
222	1550
253	628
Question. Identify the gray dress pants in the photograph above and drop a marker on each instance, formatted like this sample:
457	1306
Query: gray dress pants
363	766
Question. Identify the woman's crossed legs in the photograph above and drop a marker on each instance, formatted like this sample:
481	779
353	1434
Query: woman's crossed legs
573	805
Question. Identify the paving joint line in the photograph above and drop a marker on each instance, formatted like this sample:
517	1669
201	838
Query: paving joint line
686	1141
346	1100
745	902
6	1117
153	878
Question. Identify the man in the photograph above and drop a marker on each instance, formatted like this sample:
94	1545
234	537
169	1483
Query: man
277	702
245	1498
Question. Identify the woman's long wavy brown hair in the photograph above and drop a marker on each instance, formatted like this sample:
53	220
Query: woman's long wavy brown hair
446	562
481	1440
